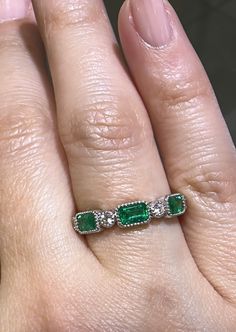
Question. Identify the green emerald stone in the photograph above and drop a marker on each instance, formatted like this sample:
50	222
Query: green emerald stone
133	214
86	222
176	204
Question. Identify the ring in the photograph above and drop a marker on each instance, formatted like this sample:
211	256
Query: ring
130	214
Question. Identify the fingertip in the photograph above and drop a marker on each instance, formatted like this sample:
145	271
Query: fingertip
152	24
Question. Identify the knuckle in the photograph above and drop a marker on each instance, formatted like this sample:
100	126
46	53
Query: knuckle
182	88
72	13
211	183
23	129
104	127
10	41
19	43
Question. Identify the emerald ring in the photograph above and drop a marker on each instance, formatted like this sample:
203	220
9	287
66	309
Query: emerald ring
130	214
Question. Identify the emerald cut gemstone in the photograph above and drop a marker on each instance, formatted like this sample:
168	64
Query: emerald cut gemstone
132	214
86	222
176	204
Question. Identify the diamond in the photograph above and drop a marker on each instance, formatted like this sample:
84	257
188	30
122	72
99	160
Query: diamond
157	209
86	222
175	205
106	219
132	214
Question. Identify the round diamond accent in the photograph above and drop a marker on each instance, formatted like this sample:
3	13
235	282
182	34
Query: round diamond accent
157	209
107	219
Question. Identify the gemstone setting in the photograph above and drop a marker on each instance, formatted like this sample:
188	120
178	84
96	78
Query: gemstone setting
175	205
133	214
130	214
157	209
86	222
106	219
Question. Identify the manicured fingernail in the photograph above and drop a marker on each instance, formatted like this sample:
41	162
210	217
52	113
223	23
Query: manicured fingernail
13	9
151	21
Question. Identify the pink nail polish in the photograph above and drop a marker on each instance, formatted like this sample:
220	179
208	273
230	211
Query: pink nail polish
13	9
151	21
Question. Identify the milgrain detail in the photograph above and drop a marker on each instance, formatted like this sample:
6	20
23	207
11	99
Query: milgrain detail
130	214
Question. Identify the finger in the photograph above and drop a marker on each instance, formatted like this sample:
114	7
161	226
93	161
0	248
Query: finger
104	128
35	198
195	144
109	164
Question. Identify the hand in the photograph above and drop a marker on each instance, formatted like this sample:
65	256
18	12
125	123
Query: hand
89	141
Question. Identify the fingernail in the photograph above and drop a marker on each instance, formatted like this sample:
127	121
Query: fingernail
151	21
13	9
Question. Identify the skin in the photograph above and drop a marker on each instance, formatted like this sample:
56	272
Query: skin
87	139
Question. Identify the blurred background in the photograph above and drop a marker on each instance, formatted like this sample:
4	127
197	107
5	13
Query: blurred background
211	26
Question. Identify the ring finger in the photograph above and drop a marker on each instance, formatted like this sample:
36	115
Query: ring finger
105	129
